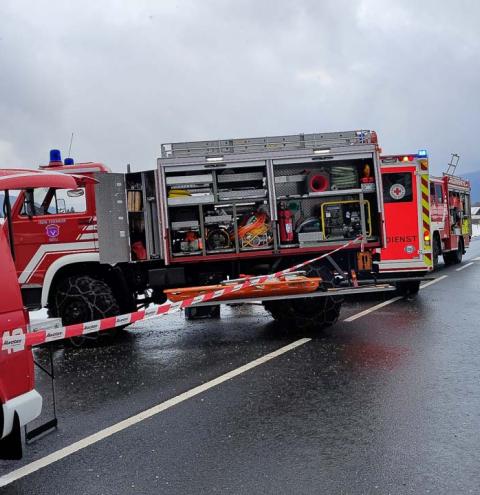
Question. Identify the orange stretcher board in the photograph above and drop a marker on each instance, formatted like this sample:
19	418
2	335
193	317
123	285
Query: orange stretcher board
269	288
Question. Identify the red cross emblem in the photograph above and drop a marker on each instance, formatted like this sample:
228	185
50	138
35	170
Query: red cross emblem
397	191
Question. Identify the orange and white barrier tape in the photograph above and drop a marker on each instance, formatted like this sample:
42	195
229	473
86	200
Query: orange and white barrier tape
19	339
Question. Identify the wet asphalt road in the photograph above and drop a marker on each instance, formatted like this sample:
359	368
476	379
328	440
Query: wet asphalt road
388	403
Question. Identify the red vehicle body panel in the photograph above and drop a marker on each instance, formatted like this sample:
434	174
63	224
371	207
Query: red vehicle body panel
16	369
402	229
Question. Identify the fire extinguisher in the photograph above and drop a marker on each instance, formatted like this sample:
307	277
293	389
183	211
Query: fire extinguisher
285	222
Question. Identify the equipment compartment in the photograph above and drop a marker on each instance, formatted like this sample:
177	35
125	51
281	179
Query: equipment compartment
143	215
254	226
219	212
186	232
236	183
220	229
318	202
189	189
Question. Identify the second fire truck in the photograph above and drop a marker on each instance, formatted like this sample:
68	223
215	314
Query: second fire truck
425	217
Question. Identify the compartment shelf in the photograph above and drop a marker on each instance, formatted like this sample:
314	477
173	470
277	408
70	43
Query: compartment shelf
240	177
245	194
323	194
193	253
191	200
283	179
187	224
189	179
220	251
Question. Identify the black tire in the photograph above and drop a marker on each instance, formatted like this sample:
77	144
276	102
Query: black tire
83	298
410	288
309	313
11	445
454	257
436	250
448	259
305	314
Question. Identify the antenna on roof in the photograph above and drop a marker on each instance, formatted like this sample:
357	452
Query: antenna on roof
453	164
70	147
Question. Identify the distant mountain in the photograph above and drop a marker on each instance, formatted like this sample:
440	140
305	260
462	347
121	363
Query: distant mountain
474	178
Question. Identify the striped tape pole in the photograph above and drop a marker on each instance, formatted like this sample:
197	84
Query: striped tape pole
18	339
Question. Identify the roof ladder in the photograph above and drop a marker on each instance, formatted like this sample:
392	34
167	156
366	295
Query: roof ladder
452	166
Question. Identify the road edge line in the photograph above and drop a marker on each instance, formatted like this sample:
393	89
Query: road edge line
372	309
464	266
389	301
427	284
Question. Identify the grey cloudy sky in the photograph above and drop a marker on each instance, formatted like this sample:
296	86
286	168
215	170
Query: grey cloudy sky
126	76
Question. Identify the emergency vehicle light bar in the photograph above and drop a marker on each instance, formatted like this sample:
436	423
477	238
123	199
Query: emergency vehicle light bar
422	154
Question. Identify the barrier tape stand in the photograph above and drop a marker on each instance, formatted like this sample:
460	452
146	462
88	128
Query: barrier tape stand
19	338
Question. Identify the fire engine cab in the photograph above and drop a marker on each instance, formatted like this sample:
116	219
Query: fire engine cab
450	214
425	217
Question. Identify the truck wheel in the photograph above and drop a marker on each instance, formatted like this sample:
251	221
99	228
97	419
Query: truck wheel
454	257
435	251
84	298
408	288
306	314
309	313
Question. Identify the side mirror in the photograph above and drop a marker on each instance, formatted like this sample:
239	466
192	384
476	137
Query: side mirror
75	193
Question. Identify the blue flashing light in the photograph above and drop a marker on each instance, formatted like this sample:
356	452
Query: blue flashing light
69	161
422	154
55	156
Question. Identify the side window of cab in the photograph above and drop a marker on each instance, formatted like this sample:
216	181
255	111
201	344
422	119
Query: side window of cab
49	201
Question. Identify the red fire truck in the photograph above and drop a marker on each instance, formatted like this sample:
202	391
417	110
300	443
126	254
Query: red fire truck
211	210
20	402
425	217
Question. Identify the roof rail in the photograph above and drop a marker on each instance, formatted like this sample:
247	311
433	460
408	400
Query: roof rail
265	144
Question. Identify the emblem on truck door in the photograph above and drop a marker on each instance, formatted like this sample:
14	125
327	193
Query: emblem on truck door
52	231
397	191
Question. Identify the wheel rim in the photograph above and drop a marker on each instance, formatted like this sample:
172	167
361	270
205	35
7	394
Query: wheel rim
75	312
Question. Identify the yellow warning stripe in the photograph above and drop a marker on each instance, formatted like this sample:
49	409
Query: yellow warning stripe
427	250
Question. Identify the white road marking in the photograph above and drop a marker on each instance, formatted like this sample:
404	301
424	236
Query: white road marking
477	258
373	308
427	284
137	418
389	301
464	266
